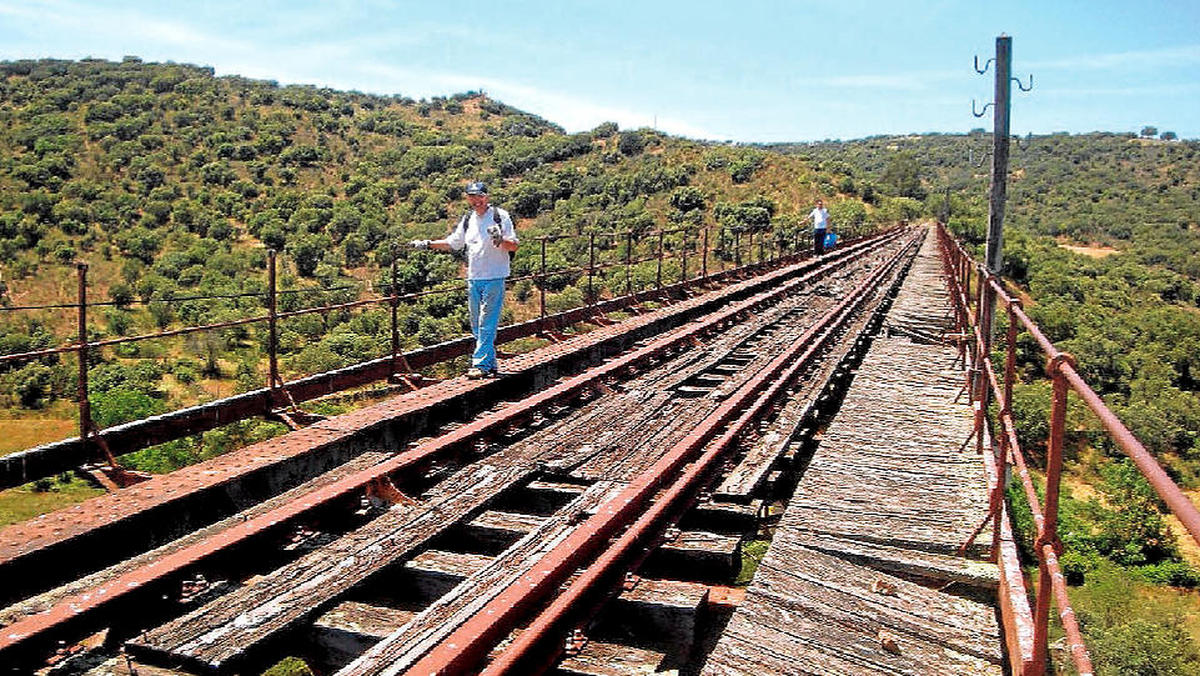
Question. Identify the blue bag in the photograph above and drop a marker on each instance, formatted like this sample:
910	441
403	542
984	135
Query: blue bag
831	239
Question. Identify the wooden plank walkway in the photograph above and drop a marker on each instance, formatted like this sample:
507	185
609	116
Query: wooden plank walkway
859	576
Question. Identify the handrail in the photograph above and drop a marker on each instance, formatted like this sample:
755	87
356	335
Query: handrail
959	268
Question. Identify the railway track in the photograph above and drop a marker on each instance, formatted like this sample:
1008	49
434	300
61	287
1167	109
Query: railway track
623	490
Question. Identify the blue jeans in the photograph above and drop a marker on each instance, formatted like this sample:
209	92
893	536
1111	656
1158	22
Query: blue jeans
484	299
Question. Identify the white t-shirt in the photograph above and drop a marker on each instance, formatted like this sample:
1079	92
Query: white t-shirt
820	218
485	260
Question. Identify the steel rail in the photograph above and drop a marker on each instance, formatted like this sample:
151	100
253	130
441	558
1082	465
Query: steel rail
85	604
470	643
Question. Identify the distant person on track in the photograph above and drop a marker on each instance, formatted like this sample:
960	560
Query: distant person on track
488	235
820	221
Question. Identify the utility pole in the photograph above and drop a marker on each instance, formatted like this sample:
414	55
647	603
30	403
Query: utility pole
994	254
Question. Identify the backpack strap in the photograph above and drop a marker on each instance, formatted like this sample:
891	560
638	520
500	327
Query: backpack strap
462	222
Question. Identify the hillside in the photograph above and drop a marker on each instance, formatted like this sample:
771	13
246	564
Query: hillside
172	183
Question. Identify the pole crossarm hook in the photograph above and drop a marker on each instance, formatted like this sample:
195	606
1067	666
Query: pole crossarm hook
986	65
980	113
1023	87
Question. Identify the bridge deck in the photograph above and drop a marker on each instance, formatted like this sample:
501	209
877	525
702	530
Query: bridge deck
860	574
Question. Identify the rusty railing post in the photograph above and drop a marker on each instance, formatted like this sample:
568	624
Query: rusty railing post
980	385
1010	374
737	248
628	262
1010	357
1048	536
704	256
395	303
683	249
542	283
658	273
272	329
85	406
591	267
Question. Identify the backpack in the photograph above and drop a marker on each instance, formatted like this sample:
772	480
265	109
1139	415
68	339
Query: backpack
462	223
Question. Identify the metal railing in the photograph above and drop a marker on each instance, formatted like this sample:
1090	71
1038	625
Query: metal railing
630	250
970	283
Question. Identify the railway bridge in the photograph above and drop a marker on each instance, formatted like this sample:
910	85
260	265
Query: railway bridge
789	467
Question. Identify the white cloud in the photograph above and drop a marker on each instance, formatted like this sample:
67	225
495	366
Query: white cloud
573	113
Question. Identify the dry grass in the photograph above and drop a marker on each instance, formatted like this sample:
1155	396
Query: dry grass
18	435
1091	251
1189	549
23	503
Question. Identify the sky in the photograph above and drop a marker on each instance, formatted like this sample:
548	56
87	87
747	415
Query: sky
738	70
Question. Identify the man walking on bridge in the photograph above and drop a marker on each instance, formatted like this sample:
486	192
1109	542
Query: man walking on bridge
488	235
820	221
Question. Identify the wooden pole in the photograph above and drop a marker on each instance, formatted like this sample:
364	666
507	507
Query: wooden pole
85	406
591	267
658	273
542	281
395	303
994	254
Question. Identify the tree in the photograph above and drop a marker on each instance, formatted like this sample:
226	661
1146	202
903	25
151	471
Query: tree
687	198
1149	131
34	384
1168	136
307	250
605	130
903	176
631	143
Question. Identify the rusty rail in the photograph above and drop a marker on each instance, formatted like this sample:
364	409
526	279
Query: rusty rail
960	267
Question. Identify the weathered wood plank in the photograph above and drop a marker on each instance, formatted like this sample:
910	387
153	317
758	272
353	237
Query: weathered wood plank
441	618
610	659
846	592
350	628
46	600
973	573
501	529
435	572
224	629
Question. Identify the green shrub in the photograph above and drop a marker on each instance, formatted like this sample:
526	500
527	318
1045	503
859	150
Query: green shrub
1173	573
186	371
289	666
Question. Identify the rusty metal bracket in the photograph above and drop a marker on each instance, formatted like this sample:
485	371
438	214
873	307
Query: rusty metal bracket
382	489
575	642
